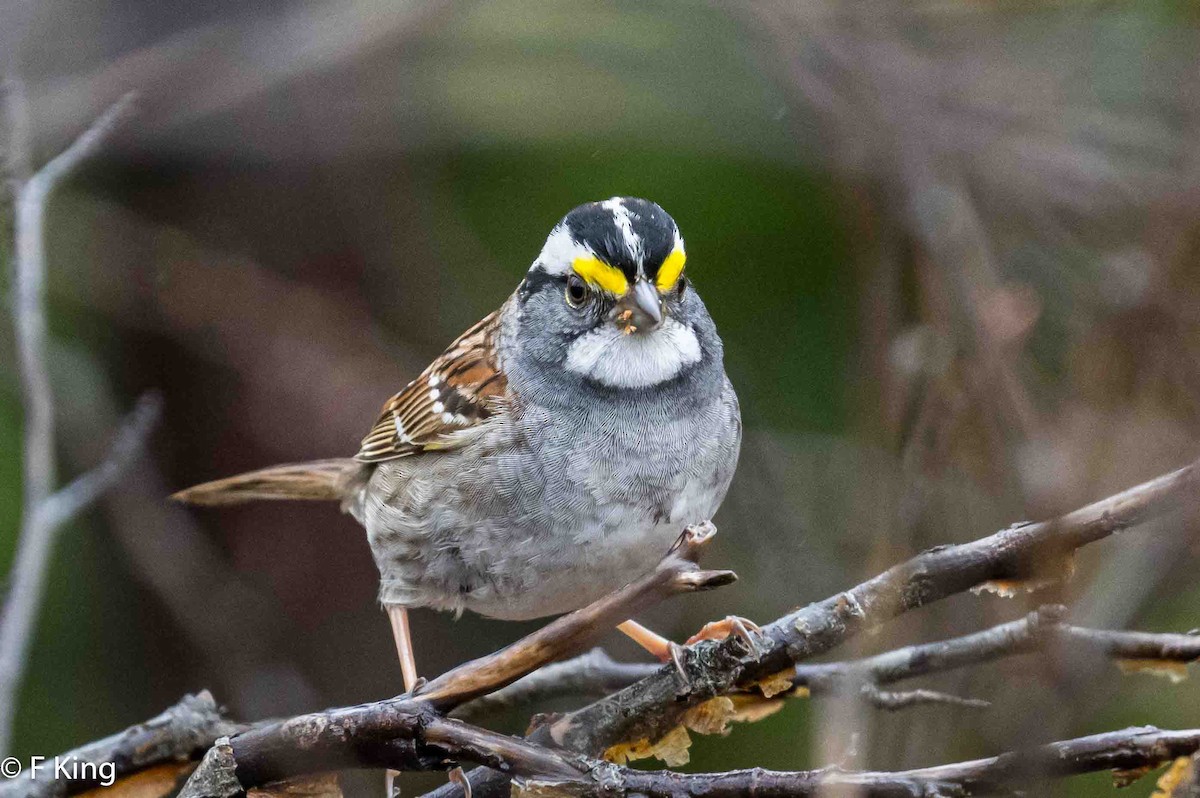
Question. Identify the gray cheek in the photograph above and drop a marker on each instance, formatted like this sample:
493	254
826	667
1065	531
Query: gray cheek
548	326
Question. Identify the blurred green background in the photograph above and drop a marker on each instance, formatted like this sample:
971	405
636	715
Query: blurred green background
951	249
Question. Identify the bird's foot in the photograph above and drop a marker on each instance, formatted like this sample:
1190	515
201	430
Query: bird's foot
743	629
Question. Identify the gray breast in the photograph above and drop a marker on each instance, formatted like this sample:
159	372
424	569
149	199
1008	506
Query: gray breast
542	512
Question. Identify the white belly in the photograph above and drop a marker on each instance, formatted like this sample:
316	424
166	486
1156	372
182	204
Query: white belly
518	533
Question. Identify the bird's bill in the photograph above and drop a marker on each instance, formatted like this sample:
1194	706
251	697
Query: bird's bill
640	308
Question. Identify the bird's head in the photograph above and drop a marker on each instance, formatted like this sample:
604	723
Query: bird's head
607	298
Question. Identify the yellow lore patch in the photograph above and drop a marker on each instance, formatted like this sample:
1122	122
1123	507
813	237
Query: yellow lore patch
671	268
598	273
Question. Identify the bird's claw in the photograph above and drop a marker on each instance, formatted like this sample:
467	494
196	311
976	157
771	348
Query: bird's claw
458	777
743	629
675	655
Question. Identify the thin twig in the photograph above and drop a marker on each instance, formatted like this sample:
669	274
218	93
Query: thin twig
39	527
68	501
1040	631
44	511
895	700
593	674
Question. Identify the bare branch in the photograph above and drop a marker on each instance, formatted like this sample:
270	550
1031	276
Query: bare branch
179	734
1039	631
893	700
407	734
1128	749
39	528
401	733
410	732
44	511
597	674
1121	750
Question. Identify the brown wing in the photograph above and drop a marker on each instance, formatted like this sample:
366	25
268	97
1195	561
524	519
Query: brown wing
459	390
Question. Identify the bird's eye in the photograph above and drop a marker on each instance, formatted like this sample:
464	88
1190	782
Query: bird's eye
576	291
681	287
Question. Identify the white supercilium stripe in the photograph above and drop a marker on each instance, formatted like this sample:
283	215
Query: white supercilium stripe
560	252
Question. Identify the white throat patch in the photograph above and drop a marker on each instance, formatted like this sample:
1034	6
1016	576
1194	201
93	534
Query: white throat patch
616	360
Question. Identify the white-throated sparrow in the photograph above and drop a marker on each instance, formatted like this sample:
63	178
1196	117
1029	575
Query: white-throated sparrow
556	449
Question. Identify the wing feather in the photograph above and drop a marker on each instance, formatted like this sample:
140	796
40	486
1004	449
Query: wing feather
458	391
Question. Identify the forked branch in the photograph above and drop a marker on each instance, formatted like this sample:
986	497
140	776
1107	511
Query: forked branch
1043	631
45	510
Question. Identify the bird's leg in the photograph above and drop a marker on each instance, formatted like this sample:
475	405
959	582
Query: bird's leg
404	647
660	648
408	670
667	651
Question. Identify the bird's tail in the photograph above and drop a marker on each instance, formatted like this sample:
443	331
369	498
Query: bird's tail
320	480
